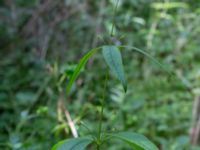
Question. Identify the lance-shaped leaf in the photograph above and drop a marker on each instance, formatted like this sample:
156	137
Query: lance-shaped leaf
115	65
136	141
73	144
113	58
147	55
77	71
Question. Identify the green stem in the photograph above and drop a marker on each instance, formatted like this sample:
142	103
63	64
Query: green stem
101	113
103	97
100	121
113	21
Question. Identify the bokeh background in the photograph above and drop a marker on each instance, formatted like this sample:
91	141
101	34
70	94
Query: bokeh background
41	42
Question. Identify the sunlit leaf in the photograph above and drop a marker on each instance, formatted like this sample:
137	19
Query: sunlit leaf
169	5
113	59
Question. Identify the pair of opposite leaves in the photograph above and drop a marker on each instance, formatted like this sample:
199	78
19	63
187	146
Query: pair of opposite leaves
113	58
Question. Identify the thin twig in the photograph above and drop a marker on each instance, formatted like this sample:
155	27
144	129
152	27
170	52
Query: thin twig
71	123
68	117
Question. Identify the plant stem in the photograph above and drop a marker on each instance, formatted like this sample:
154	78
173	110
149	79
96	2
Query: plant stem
101	113
104	89
100	120
113	21
98	147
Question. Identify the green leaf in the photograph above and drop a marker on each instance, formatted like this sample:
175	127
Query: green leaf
73	144
113	59
147	55
77	71
169	5
136	141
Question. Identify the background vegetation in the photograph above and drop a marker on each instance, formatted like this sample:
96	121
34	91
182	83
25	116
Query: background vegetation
41	42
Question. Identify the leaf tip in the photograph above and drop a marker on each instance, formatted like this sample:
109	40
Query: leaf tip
125	88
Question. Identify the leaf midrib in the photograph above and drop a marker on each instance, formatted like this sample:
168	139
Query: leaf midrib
115	65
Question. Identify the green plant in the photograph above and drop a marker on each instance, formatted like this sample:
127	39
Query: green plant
168	30
113	59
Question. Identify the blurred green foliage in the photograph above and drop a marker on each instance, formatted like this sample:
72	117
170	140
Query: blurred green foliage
42	41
